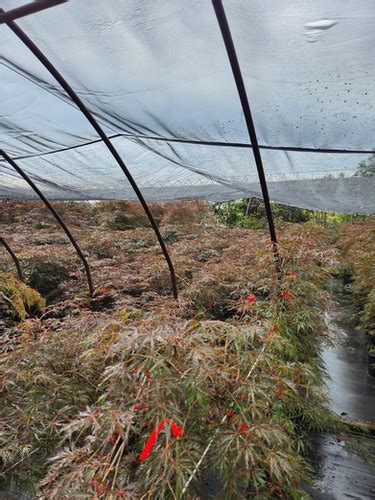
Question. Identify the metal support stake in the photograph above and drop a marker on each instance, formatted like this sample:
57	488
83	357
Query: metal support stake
14	257
76	99
54	212
236	70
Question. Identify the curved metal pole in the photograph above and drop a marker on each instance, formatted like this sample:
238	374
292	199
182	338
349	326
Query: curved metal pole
30	8
54	212
76	99
14	257
236	70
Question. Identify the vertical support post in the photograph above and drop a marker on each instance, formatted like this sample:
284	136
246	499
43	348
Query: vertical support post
237	74
14	257
54	212
79	103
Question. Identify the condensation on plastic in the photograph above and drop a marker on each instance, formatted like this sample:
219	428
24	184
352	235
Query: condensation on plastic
156	76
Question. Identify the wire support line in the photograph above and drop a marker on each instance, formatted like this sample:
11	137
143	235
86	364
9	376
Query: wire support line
198	142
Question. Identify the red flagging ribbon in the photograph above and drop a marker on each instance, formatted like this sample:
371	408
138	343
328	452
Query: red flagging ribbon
176	432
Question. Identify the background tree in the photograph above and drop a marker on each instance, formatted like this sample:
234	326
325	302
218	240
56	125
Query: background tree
366	168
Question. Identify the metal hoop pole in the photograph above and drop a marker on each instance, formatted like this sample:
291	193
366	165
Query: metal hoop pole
14	257
54	212
76	99
30	8
236	70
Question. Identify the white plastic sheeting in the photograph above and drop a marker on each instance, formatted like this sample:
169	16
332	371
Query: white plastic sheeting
157	78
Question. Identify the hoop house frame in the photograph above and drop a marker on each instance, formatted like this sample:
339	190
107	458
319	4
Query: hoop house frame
56	215
14	257
237	75
79	103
